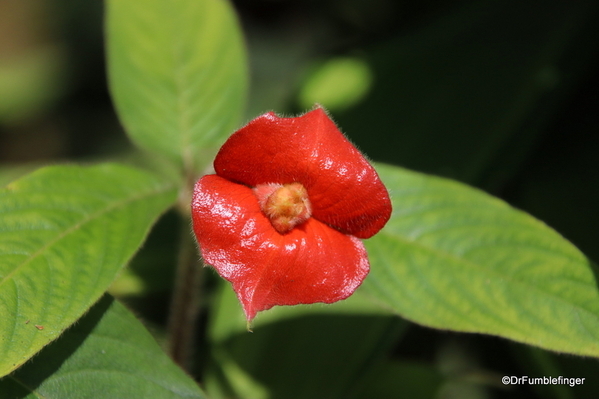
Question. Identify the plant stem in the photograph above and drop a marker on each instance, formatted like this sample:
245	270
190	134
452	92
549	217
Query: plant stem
185	303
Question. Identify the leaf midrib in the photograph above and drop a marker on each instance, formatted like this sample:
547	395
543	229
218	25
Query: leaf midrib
183	106
82	222
26	387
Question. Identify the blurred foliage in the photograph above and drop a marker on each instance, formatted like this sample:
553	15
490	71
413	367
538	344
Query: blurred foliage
29	82
502	95
337	84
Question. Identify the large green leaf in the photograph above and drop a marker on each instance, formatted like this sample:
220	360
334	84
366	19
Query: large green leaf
178	75
455	258
65	232
108	354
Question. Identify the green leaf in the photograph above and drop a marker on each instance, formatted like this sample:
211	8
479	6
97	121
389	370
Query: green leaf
107	355
65	233
453	257
178	75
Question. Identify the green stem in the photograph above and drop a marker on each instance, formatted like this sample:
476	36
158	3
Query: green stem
185	303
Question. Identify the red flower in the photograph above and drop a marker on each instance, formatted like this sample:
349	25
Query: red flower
282	217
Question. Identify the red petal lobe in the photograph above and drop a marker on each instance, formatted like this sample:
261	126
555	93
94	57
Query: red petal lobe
311	263
344	189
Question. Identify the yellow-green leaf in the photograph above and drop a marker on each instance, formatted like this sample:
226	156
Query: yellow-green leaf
178	75
65	233
453	257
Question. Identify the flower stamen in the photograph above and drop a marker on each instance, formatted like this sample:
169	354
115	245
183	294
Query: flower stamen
286	205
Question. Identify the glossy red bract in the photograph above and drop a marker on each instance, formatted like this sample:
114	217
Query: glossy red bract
319	260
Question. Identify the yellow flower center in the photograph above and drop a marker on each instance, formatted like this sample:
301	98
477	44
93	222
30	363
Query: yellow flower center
287	205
